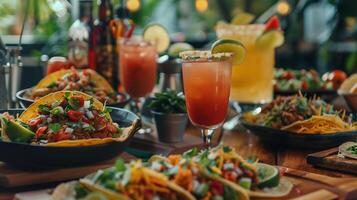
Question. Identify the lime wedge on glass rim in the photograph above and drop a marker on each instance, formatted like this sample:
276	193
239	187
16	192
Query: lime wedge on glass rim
157	34
229	46
268	176
175	49
270	39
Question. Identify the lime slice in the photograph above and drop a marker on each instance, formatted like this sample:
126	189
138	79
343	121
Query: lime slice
230	46
158	34
268	176
242	18
95	196
271	39
17	133
175	49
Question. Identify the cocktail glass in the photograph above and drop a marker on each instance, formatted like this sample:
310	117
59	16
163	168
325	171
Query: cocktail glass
207	82
252	80
138	68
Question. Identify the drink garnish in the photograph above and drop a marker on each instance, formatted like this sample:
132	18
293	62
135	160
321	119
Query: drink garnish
272	24
230	46
158	34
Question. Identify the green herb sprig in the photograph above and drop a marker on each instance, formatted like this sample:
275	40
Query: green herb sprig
168	102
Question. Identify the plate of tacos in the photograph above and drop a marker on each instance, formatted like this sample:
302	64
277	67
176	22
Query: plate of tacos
215	174
86	80
65	128
298	121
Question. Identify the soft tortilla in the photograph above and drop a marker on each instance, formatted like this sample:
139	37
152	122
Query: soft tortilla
343	150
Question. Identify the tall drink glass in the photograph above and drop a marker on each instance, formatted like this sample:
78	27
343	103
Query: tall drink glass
138	67
252	80
207	82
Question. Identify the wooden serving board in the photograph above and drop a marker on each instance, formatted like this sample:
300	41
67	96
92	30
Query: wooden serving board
12	177
307	186
329	159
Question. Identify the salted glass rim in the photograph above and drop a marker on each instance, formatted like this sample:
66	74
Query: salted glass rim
197	55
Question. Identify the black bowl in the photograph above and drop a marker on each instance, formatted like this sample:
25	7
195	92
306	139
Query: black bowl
25	102
277	137
37	156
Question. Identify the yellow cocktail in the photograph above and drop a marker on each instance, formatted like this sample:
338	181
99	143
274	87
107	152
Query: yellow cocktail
252	80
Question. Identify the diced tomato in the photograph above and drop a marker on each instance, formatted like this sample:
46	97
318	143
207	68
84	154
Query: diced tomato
273	23
288	75
229	176
148	194
304	85
337	77
74	116
34	122
40	131
61	135
85	72
79	100
100	123
111	128
247	172
217	188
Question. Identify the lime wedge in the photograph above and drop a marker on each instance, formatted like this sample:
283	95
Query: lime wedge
95	196
230	46
268	176
158	34
175	49
271	39
242	18
17	133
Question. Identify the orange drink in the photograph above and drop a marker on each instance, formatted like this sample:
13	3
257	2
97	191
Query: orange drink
137	67
207	82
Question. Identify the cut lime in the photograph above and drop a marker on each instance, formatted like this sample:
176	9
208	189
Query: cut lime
157	34
95	196
175	49
17	133
271	39
230	46
268	176
242	18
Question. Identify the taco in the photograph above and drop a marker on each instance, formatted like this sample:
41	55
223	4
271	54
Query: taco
260	180
65	118
194	178
86	80
123	182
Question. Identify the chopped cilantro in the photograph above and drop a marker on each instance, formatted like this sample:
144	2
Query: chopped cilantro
120	165
55	127
43	108
52	85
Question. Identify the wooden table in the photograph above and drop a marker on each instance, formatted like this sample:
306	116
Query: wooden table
246	144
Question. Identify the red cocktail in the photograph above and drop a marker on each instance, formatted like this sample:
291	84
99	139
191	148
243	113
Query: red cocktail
138	67
57	63
207	82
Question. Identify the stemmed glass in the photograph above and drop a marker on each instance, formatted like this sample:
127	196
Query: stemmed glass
138	68
207	82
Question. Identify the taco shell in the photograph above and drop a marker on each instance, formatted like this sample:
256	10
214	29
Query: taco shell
99	80
31	112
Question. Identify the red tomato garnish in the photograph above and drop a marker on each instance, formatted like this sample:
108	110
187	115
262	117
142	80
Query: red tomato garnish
111	128
78	99
288	75
61	135
217	188
229	176
86	120
74	116
148	194
337	77
100	123
304	85
34	122
273	23
40	131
